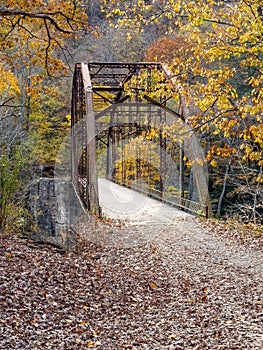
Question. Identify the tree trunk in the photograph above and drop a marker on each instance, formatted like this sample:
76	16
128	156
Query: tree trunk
219	206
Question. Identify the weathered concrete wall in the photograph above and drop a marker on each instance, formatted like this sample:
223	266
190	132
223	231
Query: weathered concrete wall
55	207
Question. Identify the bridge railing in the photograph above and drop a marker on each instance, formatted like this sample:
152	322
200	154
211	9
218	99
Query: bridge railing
166	197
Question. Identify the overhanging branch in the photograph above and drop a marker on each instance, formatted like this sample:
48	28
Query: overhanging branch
167	109
49	16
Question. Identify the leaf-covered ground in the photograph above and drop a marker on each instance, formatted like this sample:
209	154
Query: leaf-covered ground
180	286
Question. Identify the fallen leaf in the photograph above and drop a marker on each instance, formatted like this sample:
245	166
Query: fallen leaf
153	285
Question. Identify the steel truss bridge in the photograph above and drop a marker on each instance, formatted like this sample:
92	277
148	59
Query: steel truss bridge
124	130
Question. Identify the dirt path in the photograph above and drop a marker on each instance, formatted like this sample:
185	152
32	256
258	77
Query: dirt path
158	280
221	280
168	227
175	286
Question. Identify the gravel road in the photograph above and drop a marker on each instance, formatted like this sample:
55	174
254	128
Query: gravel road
223	279
146	277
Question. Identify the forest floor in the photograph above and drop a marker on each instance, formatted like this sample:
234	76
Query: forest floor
184	284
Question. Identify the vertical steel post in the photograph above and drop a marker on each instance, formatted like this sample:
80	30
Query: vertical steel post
109	160
162	138
91	170
111	147
181	170
78	134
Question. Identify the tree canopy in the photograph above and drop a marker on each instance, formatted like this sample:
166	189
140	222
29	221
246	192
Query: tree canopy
42	27
213	52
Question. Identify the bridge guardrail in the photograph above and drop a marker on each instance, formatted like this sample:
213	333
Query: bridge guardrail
168	198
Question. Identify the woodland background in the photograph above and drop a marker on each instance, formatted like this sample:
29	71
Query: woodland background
213	49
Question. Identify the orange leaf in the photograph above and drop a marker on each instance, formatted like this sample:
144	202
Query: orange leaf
153	285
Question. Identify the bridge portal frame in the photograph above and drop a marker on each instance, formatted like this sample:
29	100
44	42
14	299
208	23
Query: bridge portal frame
105	81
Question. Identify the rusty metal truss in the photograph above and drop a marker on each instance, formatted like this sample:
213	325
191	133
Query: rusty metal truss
104	112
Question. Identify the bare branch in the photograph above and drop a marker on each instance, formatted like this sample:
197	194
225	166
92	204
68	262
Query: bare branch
49	16
7	104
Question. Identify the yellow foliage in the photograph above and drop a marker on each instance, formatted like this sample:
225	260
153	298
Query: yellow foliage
214	36
9	85
138	159
33	30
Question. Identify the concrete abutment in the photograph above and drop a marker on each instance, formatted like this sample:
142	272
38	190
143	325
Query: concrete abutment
56	208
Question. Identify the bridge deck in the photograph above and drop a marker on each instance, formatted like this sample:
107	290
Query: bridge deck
118	202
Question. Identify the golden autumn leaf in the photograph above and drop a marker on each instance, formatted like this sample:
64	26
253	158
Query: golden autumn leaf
153	285
93	344
213	163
